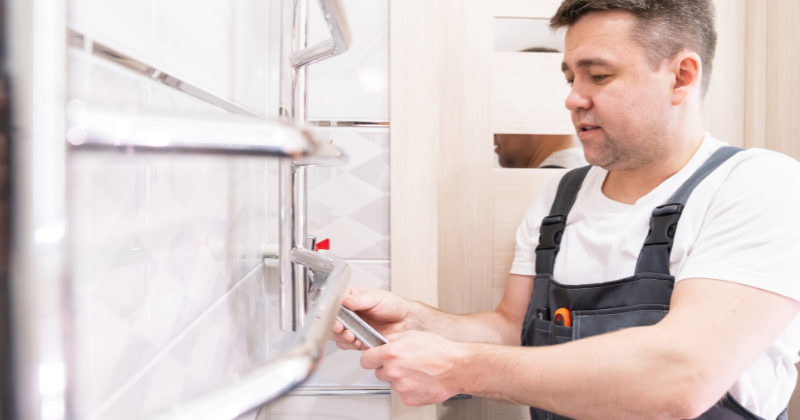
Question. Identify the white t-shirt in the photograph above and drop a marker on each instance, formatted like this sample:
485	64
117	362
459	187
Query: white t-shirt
567	158
741	224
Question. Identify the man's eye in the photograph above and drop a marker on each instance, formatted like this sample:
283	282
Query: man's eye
599	78
570	82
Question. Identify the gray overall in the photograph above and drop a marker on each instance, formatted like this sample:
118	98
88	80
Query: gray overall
637	301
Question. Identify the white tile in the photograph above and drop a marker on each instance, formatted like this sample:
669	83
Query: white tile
326	408
345	194
355	85
194	41
353	237
156	239
250	54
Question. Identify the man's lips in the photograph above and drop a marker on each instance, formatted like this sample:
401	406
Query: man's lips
585	131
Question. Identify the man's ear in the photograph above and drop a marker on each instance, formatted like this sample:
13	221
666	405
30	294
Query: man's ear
687	68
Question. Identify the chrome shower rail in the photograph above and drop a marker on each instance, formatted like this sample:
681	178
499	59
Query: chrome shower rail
340	37
280	376
296	56
101	129
77	39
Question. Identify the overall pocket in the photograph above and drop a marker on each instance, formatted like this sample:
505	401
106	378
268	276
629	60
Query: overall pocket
601	321
560	335
541	332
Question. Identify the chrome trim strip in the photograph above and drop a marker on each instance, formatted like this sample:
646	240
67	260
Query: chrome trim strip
334	124
77	39
318	392
266	383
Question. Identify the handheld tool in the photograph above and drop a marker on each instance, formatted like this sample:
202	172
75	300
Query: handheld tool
363	331
562	318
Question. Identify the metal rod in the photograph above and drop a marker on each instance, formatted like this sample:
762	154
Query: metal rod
266	383
140	67
319	392
34	54
340	37
321	123
96	128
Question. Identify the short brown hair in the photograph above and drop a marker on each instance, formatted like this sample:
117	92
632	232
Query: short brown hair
666	27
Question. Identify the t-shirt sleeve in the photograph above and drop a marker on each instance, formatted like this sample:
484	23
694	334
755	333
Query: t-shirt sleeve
751	232
528	231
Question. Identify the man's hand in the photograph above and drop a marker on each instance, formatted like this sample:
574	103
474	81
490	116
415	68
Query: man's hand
384	311
420	366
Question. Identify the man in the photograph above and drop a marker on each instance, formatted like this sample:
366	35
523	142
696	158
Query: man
527	151
538	151
724	342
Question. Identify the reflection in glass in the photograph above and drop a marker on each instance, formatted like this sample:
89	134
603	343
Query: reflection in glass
538	151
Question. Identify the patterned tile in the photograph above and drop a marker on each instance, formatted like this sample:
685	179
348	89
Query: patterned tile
226	340
326	408
350	205
155	240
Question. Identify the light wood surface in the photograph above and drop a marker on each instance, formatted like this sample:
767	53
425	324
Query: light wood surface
756	74
783	77
528	94
514	191
414	161
542	9
724	111
465	159
782	100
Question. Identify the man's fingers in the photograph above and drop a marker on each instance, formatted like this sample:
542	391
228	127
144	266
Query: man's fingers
337	327
360	299
381	375
371	359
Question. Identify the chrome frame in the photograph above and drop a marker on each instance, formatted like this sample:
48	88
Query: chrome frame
281	375
34	62
296	57
35	42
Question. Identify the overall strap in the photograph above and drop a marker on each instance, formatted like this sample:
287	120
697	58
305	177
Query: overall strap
553	225
654	257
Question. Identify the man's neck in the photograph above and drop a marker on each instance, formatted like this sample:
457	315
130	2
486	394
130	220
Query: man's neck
628	186
549	146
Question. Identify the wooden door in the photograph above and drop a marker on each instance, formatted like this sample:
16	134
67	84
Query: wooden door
453	216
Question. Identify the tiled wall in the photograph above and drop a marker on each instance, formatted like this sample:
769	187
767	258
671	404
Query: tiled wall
170	298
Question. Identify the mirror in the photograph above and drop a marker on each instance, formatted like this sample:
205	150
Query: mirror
532	39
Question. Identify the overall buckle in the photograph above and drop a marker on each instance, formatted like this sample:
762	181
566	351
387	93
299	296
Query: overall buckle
551	232
663	225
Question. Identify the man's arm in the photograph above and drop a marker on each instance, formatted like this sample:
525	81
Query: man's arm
390	314
676	369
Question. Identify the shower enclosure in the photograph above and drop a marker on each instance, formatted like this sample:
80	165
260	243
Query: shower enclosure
166	165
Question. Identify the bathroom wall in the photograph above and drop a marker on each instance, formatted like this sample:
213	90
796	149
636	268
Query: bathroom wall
169	296
349	205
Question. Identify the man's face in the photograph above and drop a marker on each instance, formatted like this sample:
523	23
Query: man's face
620	106
514	150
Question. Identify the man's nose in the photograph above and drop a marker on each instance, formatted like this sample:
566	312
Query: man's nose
578	100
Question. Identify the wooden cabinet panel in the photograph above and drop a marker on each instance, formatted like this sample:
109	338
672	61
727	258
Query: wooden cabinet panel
543	9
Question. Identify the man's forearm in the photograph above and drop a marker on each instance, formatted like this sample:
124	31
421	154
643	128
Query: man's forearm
625	375
479	327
